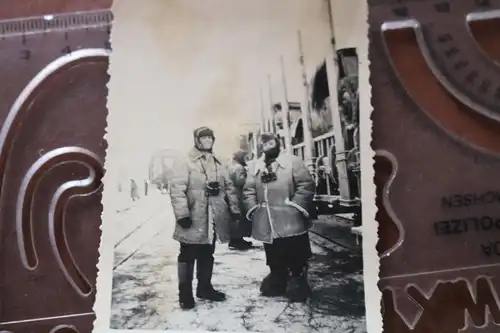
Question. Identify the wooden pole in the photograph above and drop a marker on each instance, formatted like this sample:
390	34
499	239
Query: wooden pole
253	128
305	105
255	140
332	75
272	123
285	110
263	121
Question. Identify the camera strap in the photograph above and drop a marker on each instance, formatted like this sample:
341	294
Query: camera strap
205	171
210	210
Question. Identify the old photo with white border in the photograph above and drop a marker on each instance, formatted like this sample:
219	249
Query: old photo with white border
239	193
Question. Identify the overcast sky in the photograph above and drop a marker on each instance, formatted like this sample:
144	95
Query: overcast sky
179	64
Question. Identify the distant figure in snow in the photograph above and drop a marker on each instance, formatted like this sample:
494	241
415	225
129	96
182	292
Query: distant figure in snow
134	190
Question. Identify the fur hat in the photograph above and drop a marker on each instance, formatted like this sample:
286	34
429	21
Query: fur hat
203	131
239	157
267	136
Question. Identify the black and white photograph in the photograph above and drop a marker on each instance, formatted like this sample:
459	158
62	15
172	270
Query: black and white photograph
238	194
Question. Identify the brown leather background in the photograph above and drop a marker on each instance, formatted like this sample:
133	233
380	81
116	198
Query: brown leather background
13	8
414	118
444	313
70	115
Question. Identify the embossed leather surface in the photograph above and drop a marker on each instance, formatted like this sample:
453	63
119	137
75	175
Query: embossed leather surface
435	96
67	110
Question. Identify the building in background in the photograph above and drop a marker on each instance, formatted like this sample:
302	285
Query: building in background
321	128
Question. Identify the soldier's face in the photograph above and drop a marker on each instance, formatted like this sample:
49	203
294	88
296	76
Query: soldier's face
206	142
269	145
346	97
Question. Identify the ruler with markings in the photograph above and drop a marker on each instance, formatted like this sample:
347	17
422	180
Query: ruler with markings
53	111
53	23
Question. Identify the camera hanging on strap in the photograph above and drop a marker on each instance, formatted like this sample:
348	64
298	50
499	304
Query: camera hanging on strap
268	175
212	189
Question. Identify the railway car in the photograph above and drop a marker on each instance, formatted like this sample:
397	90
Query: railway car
333	139
160	166
335	156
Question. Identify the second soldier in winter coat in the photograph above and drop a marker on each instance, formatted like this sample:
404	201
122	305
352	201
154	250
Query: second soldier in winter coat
205	204
238	175
277	194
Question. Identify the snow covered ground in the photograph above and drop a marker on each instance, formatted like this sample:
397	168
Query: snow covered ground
145	283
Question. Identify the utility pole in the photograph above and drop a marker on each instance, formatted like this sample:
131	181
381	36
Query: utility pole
272	125
285	110
332	75
262	114
255	128
305	105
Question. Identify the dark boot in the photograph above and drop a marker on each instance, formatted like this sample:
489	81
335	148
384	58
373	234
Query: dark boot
274	284
239	244
298	289
185	275
205	290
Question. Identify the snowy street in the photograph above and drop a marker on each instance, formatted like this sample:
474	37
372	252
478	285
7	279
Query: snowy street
145	294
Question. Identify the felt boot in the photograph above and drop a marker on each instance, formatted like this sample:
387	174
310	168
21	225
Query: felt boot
205	290
274	284
298	289
185	275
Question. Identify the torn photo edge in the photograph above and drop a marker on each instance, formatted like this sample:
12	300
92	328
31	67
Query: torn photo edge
344	26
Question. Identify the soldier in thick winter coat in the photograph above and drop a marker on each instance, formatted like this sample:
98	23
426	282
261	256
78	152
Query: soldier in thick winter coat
238	175
134	190
205	204
277	194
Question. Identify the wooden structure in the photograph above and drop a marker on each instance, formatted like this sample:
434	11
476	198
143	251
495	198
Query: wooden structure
159	167
330	147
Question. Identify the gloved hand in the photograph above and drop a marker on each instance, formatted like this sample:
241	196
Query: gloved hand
185	222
